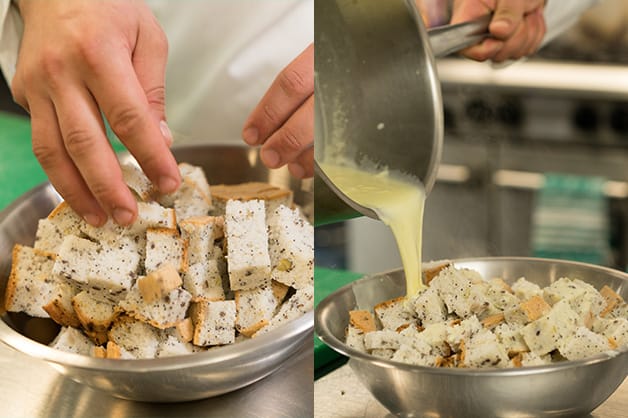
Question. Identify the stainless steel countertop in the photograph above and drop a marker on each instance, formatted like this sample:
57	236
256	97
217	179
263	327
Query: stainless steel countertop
340	394
31	388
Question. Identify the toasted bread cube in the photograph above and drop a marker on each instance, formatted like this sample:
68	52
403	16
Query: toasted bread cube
185	330
162	313
254	309
60	306
429	307
611	298
204	281
273	196
165	246
291	248
98	352
583	343
297	305
200	233
526	290
114	351
393	313
137	338
247	245
149	215
137	181
94	315
88	264
73	341
280	291
159	283
214	323
546	333
360	323
432	269
31	283
535	307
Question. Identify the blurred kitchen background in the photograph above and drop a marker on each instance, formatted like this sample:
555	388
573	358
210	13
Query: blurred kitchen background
535	161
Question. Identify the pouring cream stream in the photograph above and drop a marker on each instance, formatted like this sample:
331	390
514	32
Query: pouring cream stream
397	202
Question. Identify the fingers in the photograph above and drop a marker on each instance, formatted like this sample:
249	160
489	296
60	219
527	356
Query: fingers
507	18
289	141
122	99
289	90
303	167
525	40
49	150
85	141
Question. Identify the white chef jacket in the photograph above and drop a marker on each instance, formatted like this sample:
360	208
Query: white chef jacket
224	54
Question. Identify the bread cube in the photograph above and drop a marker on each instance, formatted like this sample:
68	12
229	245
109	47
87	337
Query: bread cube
137	181
455	287
510	338
384	339
301	302
525	290
163	312
73	341
429	307
31	283
172	346
247	245
360	323
214	323
612	300
291	248
394	313
484	350
204	281
94	315
158	283
137	338
165	246
546	333
60	306
200	232
583	343
463	331
272	196
255	308
61	222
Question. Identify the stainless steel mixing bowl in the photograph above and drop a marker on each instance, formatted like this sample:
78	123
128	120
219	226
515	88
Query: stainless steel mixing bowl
571	388
182	378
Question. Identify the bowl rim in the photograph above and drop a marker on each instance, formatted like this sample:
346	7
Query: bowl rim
215	356
354	355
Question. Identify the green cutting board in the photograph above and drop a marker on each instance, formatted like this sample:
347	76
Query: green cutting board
326	281
19	169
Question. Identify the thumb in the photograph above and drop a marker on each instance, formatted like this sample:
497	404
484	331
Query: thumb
149	60
507	16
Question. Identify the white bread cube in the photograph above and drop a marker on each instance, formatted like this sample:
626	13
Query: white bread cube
61	222
204	281
196	175
394	313
248	261
162	313
60	306
137	181
583	343
510	338
165	246
171	346
436	336
95	316
464	331
484	350
214	323
149	215
280	291
455	287
297	305
90	265
254	309
291	248
420	354
525	290
565	288
31	283
114	351
73	341
383	339
360	323
546	333
530	359
429	307
500	295
200	233
613	328
137	338
48	237
383	353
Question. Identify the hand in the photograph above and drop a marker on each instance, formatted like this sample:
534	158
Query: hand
517	27
79	58
283	121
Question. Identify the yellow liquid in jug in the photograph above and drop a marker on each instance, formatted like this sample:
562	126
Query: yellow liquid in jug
397	203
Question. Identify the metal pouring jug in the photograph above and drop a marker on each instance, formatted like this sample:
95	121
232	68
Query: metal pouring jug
377	92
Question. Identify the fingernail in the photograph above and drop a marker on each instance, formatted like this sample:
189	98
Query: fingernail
92	219
270	158
122	216
297	170
165	131
250	135
167	184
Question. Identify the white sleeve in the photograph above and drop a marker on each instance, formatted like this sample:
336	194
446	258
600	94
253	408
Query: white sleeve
560	15
11	27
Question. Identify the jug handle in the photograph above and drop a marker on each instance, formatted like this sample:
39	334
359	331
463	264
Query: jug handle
447	39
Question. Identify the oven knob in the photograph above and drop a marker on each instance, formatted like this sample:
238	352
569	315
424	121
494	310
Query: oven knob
585	118
479	111
619	119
